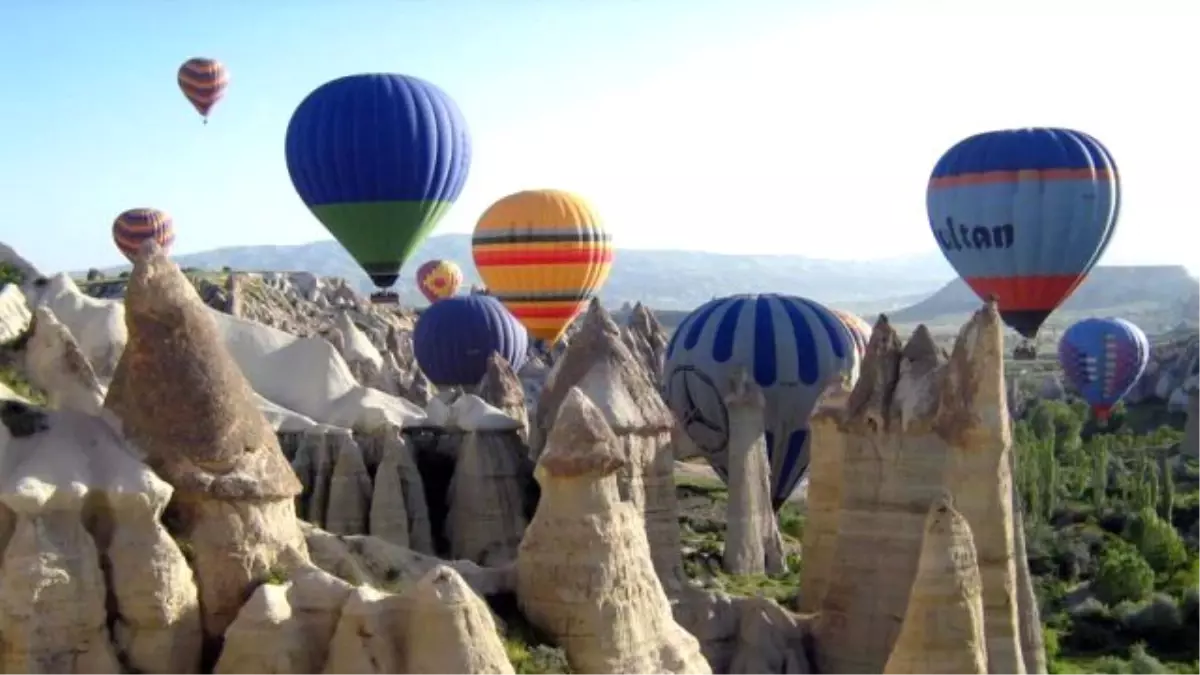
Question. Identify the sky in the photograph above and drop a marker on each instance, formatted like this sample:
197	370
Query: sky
738	126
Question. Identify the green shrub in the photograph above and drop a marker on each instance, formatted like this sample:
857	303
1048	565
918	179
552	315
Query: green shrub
9	274
1123	574
1142	663
1158	542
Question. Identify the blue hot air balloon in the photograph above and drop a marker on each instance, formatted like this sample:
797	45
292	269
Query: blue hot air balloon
792	347
454	338
1023	215
1103	358
378	159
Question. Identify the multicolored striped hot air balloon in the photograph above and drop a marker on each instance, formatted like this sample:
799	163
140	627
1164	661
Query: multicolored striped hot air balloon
1024	215
378	159
203	82
792	347
544	254
860	335
1103	358
455	337
439	279
135	226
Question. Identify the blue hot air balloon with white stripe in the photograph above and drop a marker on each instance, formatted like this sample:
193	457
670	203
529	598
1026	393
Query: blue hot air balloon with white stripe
1103	358
1024	215
792	347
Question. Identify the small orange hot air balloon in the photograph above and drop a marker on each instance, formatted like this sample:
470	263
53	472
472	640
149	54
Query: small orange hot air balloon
203	82
135	226
544	254
437	279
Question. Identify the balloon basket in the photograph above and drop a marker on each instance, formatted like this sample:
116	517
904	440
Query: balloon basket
1026	351
384	298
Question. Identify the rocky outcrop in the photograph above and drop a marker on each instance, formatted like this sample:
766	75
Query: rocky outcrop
54	363
647	341
752	541
599	364
919	424
502	389
585	543
184	402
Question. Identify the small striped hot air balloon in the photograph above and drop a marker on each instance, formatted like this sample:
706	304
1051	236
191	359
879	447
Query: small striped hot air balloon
135	226
793	348
203	82
1103	358
545	255
438	279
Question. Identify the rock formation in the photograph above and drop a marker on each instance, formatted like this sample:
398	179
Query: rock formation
503	390
584	543
918	424
55	364
943	625
601	366
647	340
183	401
752	541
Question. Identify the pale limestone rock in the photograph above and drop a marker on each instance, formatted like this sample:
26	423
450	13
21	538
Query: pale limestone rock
55	365
451	629
647	340
584	572
770	639
350	491
287	627
370	634
398	465
916	427
752	541
943	625
599	364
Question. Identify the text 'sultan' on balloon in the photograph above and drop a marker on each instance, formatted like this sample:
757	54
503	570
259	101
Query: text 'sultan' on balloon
1103	359
545	255
793	348
438	279
1024	215
133	227
378	159
203	82
455	337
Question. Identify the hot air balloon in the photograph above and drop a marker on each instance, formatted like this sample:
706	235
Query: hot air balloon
203	82
454	338
544	254
860	335
793	348
1024	215
135	226
1103	358
439	279
378	159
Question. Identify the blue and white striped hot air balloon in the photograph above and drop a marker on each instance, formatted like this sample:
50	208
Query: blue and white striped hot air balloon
793	348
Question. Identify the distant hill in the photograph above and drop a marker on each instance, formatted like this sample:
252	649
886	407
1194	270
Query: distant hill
666	280
1160	295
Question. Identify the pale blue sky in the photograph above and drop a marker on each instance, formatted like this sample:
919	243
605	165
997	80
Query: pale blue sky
783	126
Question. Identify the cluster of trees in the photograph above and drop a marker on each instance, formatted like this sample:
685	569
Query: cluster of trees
1111	529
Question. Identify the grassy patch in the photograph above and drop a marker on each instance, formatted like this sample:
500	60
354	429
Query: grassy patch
20	386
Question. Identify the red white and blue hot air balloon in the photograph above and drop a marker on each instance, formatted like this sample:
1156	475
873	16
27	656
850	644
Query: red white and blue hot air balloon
1103	358
1023	215
792	347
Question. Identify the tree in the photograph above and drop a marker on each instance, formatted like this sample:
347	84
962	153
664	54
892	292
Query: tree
1157	541
94	274
10	274
1123	574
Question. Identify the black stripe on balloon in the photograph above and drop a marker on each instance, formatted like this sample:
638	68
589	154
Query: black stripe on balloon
544	297
1025	321
585	237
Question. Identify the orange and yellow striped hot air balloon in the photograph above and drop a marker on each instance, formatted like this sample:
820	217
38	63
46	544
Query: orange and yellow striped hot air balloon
135	226
203	82
544	254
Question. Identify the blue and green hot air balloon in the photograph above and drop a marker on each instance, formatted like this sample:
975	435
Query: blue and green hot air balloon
379	159
793	348
1023	215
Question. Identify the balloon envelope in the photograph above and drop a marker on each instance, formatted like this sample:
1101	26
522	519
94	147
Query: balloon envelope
1023	215
135	226
378	159
203	82
454	338
439	279
544	254
860	335
1103	358
793	349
